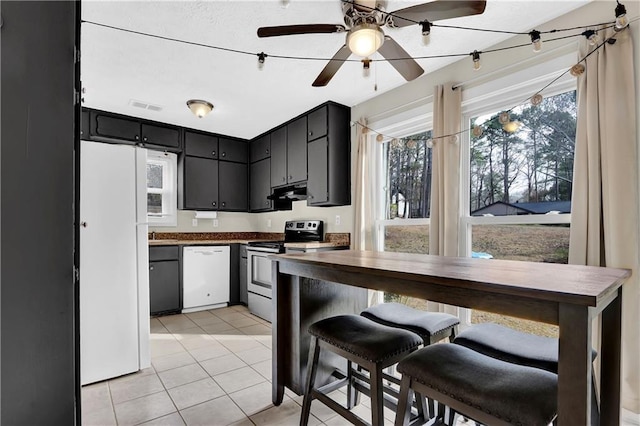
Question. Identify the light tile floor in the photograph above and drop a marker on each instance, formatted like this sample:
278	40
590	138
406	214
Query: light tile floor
208	368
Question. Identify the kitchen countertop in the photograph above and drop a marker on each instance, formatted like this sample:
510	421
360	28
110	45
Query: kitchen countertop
183	239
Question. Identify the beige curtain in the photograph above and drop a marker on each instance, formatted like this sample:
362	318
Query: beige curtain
604	212
445	183
364	222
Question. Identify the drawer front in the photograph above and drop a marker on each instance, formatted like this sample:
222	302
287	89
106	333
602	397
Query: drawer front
199	145
157	253
232	150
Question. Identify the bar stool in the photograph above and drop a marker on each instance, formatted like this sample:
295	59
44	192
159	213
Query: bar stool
480	387
431	326
521	348
367	343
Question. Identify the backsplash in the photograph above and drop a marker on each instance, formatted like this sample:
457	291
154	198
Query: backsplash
344	238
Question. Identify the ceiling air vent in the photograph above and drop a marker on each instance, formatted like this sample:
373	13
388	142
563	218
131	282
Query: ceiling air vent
144	105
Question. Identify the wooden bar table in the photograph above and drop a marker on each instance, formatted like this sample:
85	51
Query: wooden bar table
570	296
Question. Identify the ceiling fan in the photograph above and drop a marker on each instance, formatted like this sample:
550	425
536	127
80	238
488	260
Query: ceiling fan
364	19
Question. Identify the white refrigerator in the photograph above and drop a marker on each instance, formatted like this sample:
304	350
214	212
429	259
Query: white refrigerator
114	261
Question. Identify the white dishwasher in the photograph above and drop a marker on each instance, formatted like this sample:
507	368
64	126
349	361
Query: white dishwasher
205	277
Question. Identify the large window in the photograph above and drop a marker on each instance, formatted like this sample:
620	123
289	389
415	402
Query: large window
520	185
407	194
161	188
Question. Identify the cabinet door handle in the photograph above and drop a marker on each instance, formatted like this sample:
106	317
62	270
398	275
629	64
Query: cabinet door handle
83	224
310	197
266	203
213	203
137	137
290	177
310	133
213	153
266	151
151	268
284	179
224	154
145	139
224	204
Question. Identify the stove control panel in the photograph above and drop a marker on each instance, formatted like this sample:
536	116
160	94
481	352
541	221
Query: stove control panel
303	230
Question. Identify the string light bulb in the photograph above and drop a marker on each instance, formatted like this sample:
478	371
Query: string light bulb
476	60
366	67
476	131
592	36
261	57
621	17
536	99
411	144
536	41
577	70
429	143
504	118
379	137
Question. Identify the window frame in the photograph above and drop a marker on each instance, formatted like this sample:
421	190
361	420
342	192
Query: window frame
169	215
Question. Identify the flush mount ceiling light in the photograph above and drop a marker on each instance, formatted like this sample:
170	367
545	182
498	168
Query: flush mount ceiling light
199	107
365	39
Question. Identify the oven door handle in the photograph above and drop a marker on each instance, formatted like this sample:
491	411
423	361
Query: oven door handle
261	284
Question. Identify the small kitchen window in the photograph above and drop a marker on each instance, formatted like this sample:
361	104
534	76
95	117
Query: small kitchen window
161	188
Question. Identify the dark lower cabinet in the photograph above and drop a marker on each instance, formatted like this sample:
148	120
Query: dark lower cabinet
165	294
232	186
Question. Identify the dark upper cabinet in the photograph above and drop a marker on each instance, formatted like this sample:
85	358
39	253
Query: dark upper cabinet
317	191
200	184
109	128
260	148
160	135
297	150
232	186
317	124
329	181
232	150
260	173
200	145
279	156
84	124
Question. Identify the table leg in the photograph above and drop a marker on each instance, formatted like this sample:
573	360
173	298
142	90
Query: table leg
610	353
277	355
574	366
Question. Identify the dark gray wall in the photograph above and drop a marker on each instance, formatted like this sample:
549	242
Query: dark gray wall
37	218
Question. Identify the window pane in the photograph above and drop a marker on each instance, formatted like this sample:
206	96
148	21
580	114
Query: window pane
407	239
154	203
532	243
409	177
527	169
154	175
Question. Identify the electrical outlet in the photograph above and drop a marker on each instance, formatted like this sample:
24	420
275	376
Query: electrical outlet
215	223
268	223
337	219
194	222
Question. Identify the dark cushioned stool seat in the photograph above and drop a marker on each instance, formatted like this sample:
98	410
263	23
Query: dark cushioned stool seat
431	326
371	346
511	345
364	338
512	393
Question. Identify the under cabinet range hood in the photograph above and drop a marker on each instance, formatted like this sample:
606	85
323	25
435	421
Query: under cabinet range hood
289	193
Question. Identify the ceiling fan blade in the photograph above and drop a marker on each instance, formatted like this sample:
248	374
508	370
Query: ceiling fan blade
300	29
408	67
332	67
435	11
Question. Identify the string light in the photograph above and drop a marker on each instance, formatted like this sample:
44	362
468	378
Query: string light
366	67
504	118
379	137
621	17
577	70
536	41
536	99
476	131
426	28
411	143
261	57
475	55
592	36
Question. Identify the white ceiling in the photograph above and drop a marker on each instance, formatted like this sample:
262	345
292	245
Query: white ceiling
118	67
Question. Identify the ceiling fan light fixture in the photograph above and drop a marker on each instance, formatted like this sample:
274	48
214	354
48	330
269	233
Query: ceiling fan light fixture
199	107
365	39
